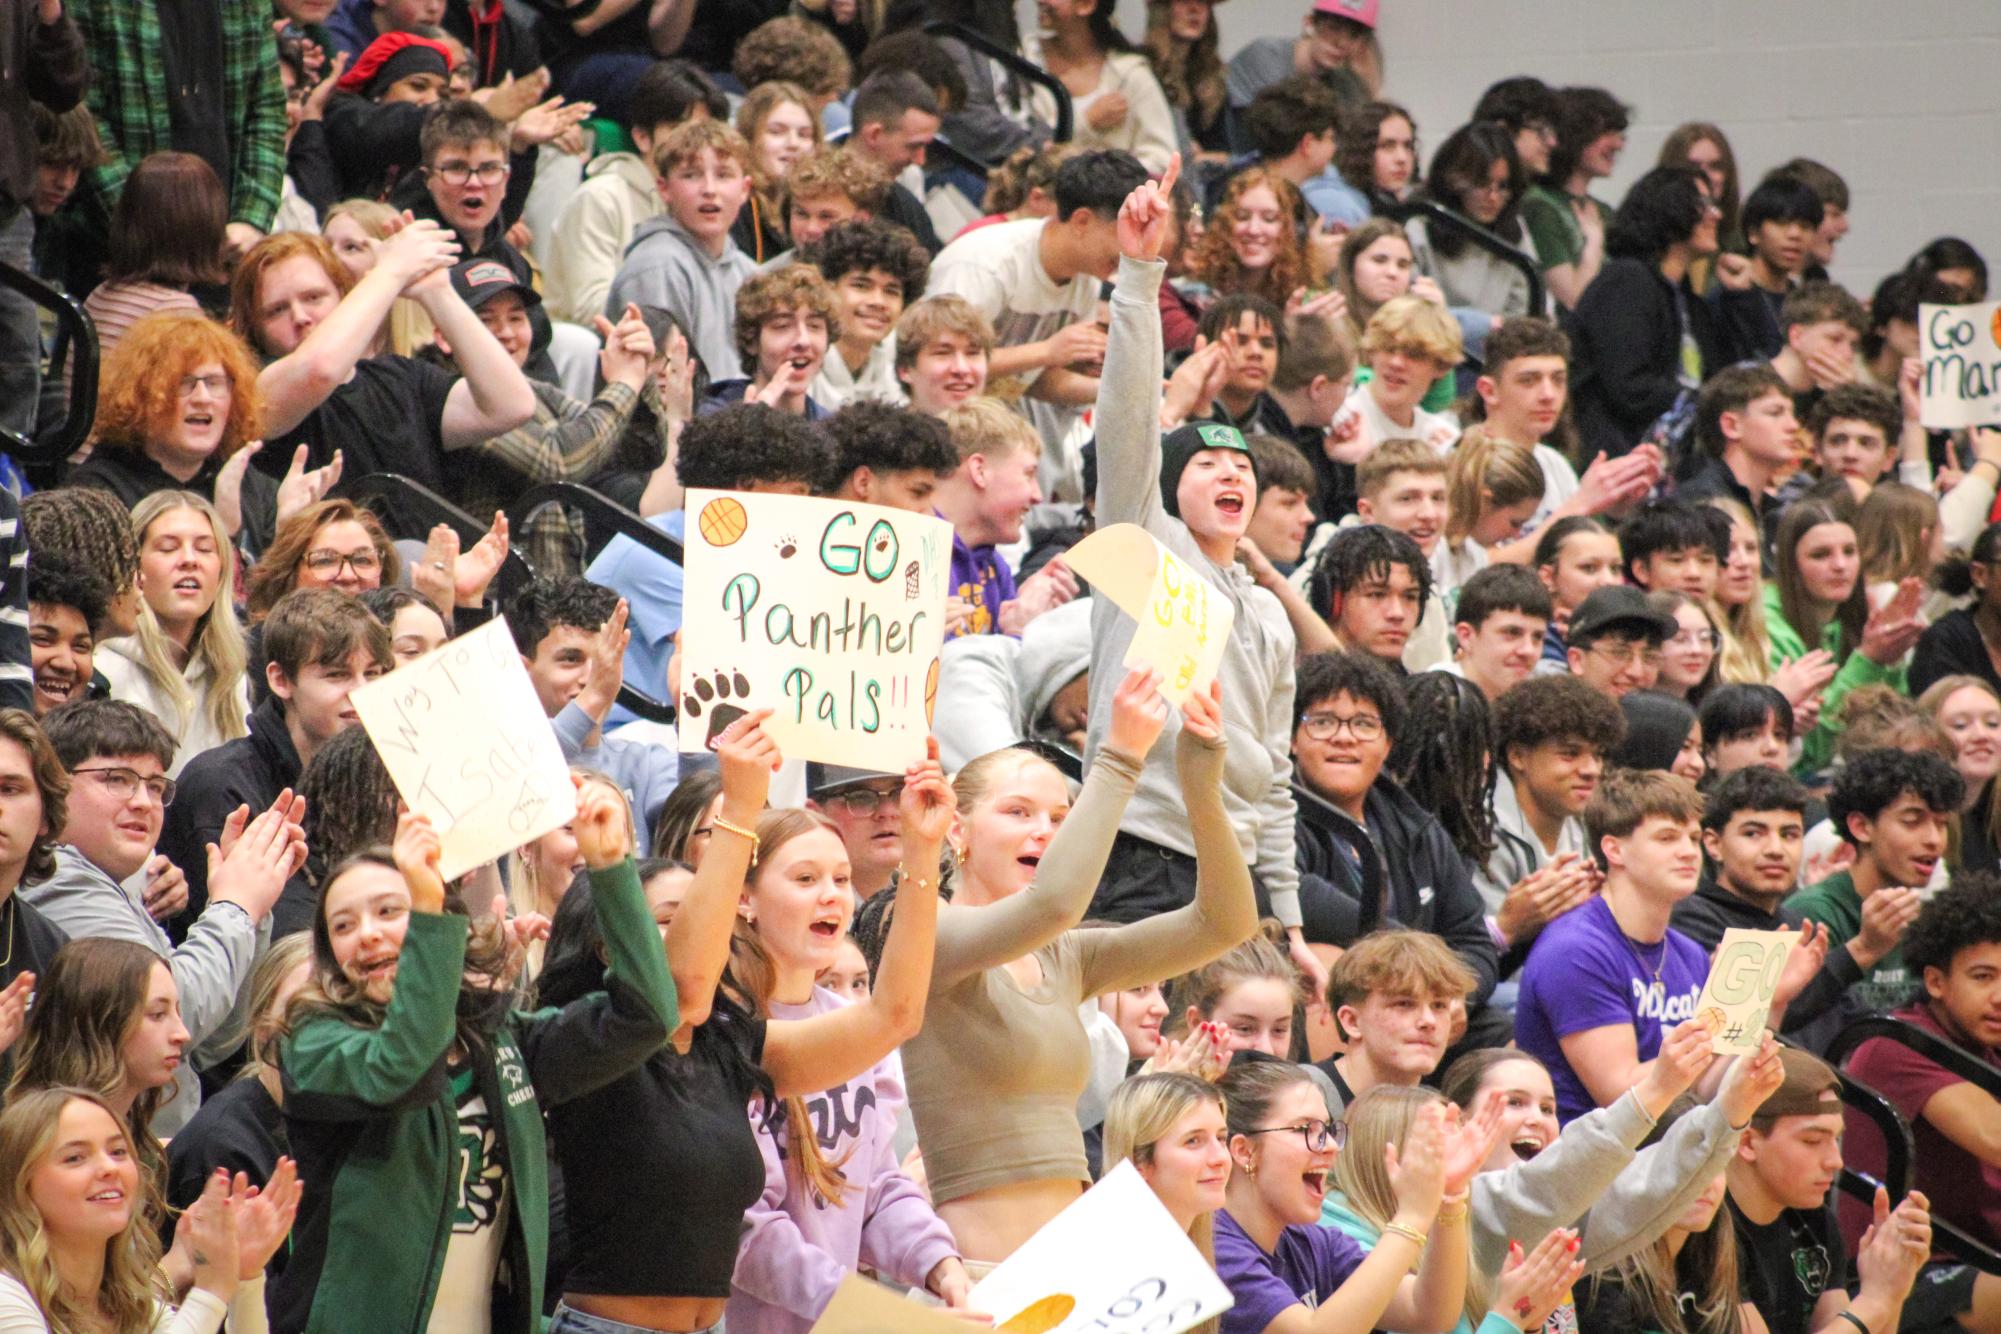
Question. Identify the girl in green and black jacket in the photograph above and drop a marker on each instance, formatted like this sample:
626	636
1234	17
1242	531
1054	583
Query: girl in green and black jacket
414	1091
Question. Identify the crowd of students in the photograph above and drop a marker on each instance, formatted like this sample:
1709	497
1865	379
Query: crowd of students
1576	622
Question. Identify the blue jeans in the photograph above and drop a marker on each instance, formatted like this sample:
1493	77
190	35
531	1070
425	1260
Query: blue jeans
569	1321
20	330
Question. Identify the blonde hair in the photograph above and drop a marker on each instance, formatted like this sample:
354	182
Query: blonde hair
1394	456
1413	325
133	1287
1485	472
1894	526
217	642
524	895
940	313
1745	657
267	979
410	329
1140	1115
1396	962
988	427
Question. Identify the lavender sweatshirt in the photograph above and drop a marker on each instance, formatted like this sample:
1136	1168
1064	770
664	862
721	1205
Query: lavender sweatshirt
796	1250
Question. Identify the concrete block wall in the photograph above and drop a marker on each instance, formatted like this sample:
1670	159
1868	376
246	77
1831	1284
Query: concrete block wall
1904	100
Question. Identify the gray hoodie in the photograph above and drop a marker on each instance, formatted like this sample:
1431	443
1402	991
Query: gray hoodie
665	267
1257	667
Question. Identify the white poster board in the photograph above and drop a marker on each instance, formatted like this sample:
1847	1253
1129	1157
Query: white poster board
1960	348
1183	620
829	612
467	743
1113	1262
1737	996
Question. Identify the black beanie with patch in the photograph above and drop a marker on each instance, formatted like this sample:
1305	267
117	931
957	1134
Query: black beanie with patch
1185	442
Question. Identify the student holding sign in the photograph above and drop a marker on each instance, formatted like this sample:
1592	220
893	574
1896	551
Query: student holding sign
1194	492
413	1090
665	1152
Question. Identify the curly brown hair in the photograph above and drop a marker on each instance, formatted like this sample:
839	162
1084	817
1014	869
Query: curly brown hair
138	397
51	782
1215	259
795	50
774	293
832	169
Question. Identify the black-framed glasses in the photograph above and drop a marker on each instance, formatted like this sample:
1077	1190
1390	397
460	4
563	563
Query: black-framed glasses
458	173
863	802
1317	1136
328	563
122	783
1327	726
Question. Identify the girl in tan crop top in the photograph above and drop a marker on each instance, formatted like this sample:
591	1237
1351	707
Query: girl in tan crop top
995	1074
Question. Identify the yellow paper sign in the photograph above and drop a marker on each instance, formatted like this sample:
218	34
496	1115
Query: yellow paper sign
1183	621
828	612
1737	996
467	743
864	1307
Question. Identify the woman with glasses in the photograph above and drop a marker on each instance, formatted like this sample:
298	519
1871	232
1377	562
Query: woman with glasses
334	544
1291	1276
184	663
1013	973
1690	656
1476	175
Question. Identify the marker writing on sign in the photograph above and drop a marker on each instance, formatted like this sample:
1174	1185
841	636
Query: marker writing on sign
500	767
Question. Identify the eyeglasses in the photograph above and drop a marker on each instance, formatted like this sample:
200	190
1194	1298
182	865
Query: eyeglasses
1327	726
328	563
458	173
1708	639
1630	654
122	783
217	385
1317	1136
864	801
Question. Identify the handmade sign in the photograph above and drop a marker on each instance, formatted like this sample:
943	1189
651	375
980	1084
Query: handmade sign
1184	620
467	743
861	1306
1960	349
830	613
1737	997
1113	1262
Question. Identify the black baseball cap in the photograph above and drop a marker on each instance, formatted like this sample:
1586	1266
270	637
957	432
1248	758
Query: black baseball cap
478	281
824	779
1618	606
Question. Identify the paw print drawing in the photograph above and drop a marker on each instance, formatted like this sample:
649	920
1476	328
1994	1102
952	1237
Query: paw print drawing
710	697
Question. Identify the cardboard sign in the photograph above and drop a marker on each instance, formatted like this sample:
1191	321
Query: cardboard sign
1184	620
864	1307
828	612
467	743
1113	1262
1737	997
1960	347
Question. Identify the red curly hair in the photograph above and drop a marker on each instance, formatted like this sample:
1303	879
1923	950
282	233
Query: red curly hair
1215	260
138	394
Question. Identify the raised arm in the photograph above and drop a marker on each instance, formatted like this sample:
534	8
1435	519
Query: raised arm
296	384
1128	413
971	940
1224	912
698	939
815	1054
492	394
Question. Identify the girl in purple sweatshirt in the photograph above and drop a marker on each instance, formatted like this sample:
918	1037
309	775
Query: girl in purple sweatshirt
846	1205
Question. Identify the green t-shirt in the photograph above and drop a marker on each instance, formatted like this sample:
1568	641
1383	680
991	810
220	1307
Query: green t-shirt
1837	907
1552	226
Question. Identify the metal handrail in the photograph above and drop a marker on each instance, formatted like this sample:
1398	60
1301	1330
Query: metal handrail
1066	116
623	521
401	491
1951	1057
74	334
1438	216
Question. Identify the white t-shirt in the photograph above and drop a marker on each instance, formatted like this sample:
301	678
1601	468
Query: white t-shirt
200	1313
998	268
1434	428
479	1219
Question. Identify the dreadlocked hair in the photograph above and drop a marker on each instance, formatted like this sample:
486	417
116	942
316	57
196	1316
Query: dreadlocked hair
1443	757
350	802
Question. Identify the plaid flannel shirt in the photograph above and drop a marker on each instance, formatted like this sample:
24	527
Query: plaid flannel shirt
565	441
129	98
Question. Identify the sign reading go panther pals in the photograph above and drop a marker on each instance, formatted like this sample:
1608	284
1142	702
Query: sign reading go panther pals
828	612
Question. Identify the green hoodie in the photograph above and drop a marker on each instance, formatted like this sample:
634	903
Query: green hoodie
1817	746
374	1125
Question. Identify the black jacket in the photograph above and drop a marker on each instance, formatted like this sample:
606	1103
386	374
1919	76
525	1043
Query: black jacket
1626	362
249	771
1705	915
132	476
1428	885
1951	646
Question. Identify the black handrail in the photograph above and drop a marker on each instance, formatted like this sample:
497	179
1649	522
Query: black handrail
407	496
75	335
1066	117
619	519
1436	216
1951	1057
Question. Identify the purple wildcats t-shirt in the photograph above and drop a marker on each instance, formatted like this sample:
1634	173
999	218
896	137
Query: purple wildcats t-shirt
1583	973
1310	1264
